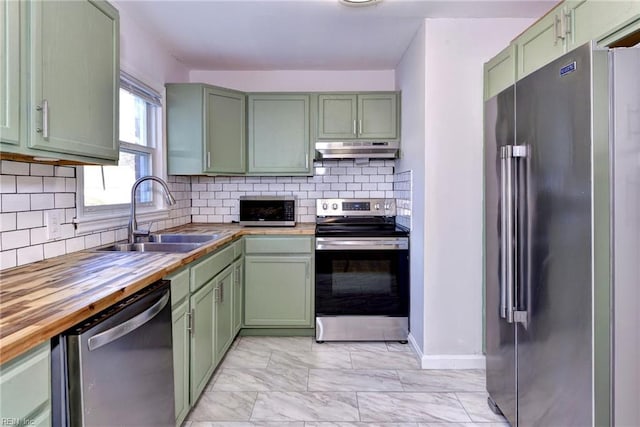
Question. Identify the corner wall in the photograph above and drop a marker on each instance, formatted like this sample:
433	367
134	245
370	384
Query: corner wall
441	78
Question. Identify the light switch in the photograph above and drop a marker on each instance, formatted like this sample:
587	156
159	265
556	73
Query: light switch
53	221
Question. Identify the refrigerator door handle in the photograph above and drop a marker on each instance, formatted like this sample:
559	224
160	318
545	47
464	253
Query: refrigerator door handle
508	158
508	224
504	214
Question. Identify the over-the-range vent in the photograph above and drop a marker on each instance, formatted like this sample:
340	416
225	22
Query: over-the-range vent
358	149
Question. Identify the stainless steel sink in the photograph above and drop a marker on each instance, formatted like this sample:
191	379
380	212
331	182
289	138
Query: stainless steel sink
152	247
182	238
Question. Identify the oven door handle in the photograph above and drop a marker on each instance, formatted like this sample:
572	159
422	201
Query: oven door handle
333	244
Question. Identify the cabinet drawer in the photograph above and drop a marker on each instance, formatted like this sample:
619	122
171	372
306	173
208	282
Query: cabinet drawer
270	245
179	286
214	264
24	383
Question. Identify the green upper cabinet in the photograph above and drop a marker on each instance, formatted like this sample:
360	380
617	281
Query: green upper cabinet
337	116
569	25
205	129
542	42
279	140
363	116
500	72
225	131
74	77
592	19
10	71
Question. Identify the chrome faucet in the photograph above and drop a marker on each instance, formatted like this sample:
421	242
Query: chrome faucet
133	224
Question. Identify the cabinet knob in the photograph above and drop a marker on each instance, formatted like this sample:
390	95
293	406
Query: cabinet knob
334	206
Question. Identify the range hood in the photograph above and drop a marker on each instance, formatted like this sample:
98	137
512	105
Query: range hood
358	149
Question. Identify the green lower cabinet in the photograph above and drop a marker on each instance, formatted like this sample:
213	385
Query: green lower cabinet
223	323
25	388
180	330
278	291
202	343
238	281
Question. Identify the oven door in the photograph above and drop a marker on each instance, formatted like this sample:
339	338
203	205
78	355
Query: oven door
362	276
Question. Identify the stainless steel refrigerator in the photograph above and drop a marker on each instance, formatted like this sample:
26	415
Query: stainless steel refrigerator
551	239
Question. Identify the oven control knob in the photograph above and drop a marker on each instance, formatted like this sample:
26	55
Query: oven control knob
377	206
334	206
325	206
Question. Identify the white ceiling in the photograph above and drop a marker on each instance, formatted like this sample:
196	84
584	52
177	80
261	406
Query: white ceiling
303	34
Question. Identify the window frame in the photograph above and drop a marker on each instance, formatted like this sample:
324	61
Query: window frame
95	218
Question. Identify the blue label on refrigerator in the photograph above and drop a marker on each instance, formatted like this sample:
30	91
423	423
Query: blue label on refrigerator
568	69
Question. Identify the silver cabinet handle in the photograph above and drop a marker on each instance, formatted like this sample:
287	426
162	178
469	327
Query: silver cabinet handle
306	160
44	107
221	291
354	127
190	321
566	24
110	335
360	127
208	159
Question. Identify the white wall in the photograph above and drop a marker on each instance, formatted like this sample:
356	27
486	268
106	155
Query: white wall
445	147
143	57
298	80
410	79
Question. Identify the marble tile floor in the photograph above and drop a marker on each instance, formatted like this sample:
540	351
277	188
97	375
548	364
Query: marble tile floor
295	382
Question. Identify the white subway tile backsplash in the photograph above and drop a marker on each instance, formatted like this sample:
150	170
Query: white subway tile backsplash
29	184
16	202
30	219
8	259
38	235
75	244
8	167
15	239
54	249
65	200
92	240
42	201
7	184
66	171
41	170
8	221
56	185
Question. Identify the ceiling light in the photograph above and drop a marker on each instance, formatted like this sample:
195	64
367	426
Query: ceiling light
359	2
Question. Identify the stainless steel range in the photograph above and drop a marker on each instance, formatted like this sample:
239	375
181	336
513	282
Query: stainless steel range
362	271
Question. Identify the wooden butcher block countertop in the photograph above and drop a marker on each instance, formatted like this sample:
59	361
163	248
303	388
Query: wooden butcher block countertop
39	301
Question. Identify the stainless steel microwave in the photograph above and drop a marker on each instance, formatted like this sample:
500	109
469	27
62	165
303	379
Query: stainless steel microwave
268	211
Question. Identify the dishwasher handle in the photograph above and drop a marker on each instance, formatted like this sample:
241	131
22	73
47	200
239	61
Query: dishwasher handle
124	328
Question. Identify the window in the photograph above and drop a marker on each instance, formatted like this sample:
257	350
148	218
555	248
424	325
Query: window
105	191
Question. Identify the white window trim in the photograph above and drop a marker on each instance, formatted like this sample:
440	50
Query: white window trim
86	222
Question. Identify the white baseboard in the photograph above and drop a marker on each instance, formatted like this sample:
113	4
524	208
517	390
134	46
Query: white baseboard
447	361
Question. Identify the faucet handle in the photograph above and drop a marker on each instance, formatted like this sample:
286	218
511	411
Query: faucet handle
142	232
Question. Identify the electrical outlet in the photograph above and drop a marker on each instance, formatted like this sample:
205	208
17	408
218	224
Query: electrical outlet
53	221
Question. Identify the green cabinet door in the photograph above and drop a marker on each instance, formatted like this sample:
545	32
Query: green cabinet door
279	141
593	19
378	116
180	330
500	72
223	323
74	77
10	72
337	116
224	131
542	42
278	291
238	297
25	388
202	352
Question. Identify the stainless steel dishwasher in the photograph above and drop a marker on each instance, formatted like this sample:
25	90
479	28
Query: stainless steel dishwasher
116	368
